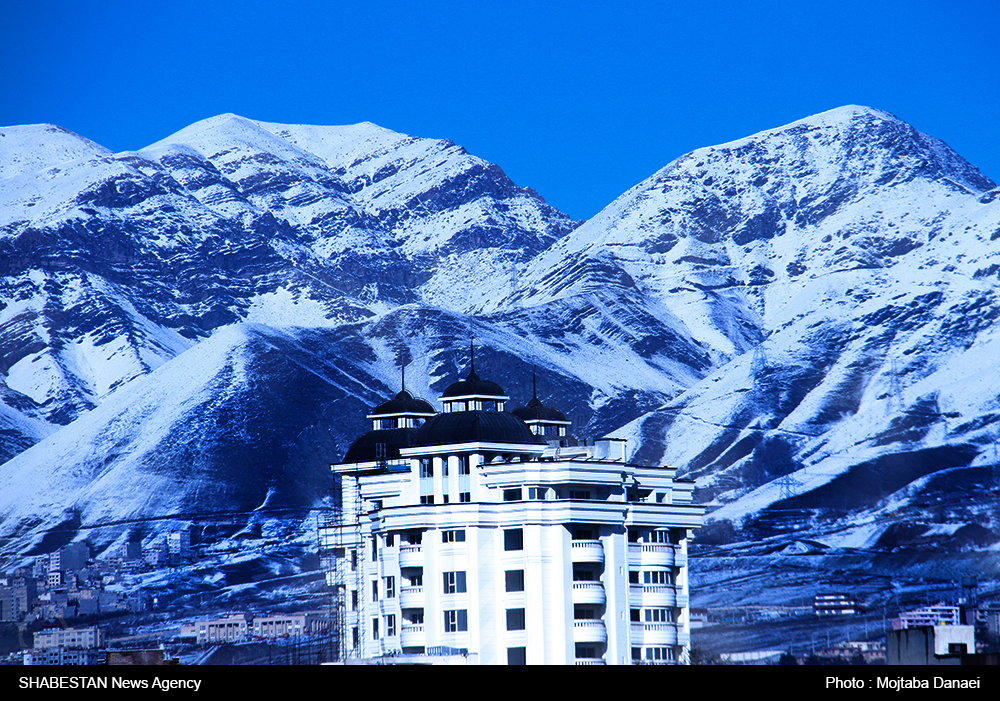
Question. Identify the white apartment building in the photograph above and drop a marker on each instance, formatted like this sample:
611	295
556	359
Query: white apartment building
492	534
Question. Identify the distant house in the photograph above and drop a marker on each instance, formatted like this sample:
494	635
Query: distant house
835	604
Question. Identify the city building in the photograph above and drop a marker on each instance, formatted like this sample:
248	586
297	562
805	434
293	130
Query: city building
835	605
494	535
937	615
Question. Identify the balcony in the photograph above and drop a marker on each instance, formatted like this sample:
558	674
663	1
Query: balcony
652	595
587	551
652	554
590	631
589	593
411	556
411	635
653	634
411	598
589	661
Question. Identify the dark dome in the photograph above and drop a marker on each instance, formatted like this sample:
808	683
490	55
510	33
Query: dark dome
365	448
470	426
403	403
473	386
536	411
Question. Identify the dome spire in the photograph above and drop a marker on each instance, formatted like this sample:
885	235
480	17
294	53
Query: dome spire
472	361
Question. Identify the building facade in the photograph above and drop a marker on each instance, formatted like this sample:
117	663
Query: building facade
482	532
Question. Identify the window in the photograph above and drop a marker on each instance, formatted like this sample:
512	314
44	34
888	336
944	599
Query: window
456	621
465	497
515	619
660	653
635	615
583	533
354	599
537	493
374	548
390	625
427	499
445	499
583	573
390	587
375	628
633	577
512	495
417	617
585	613
415	537
463	465
579	494
586	652
354	560
517	656
636	654
658	537
513	539
452	536
417	579
390	540
454	582
657	577
426	468
659	616
355	637
514	580
444	467
374	590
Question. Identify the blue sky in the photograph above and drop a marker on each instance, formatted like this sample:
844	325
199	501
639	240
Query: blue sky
579	100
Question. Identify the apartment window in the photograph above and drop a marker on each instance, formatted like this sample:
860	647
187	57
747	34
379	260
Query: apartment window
512	495
586	652
517	656
354	560
635	615
513	539
375	628
657	577
585	613
636	654
444	467
390	587
583	534
374	590
417	617
426	468
537	493
579	494
374	548
415	537
464	497
355	637
659	616
390	540
515	619
583	573
660	653
514	580
633	577
456	621
445	499
454	582
354	599
427	499
463	465
417	579
658	537
452	536
390	625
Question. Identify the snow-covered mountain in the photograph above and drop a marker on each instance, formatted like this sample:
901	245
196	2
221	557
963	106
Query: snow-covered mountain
801	320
